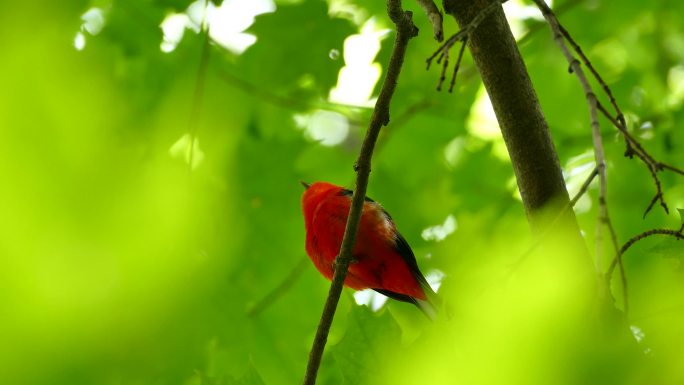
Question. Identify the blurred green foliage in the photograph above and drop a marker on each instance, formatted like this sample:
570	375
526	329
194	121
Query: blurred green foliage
120	265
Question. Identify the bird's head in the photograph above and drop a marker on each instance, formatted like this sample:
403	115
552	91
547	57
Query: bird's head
314	194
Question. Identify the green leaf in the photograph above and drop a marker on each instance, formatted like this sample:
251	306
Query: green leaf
368	339
669	248
251	377
291	58
178	5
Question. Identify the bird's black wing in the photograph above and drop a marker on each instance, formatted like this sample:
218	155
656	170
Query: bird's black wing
397	296
407	255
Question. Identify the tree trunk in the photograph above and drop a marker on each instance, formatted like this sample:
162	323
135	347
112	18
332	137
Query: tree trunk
525	131
515	103
538	173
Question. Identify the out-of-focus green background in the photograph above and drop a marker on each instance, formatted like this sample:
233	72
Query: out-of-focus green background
149	196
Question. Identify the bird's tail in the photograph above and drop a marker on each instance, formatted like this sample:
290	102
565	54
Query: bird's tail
427	307
431	304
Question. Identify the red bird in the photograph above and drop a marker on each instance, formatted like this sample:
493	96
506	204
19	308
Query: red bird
382	259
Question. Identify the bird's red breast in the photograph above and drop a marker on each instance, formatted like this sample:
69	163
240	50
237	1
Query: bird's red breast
382	260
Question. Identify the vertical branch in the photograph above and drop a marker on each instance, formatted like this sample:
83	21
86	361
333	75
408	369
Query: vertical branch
523	126
563	39
533	156
462	36
405	31
458	64
632	145
599	154
677	234
435	17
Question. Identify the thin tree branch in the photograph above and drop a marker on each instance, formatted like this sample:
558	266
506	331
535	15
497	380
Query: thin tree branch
618	257
599	154
583	189
462	36
445	65
559	9
381	115
617	261
633	147
458	64
653	166
447	45
585	60
468	72
435	17
671	168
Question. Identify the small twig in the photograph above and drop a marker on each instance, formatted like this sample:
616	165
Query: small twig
462	35
458	64
671	168
435	17
656	198
405	31
467	72
446	46
585	60
599	154
442	76
633	147
623	280
279	290
583	189
673	233
617	261
653	166
558	10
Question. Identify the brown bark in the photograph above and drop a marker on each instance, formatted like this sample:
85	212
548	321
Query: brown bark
515	103
525	131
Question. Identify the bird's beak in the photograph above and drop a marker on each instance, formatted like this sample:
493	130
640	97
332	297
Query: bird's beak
306	185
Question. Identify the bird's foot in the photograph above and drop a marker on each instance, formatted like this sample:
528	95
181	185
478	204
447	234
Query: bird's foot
352	261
